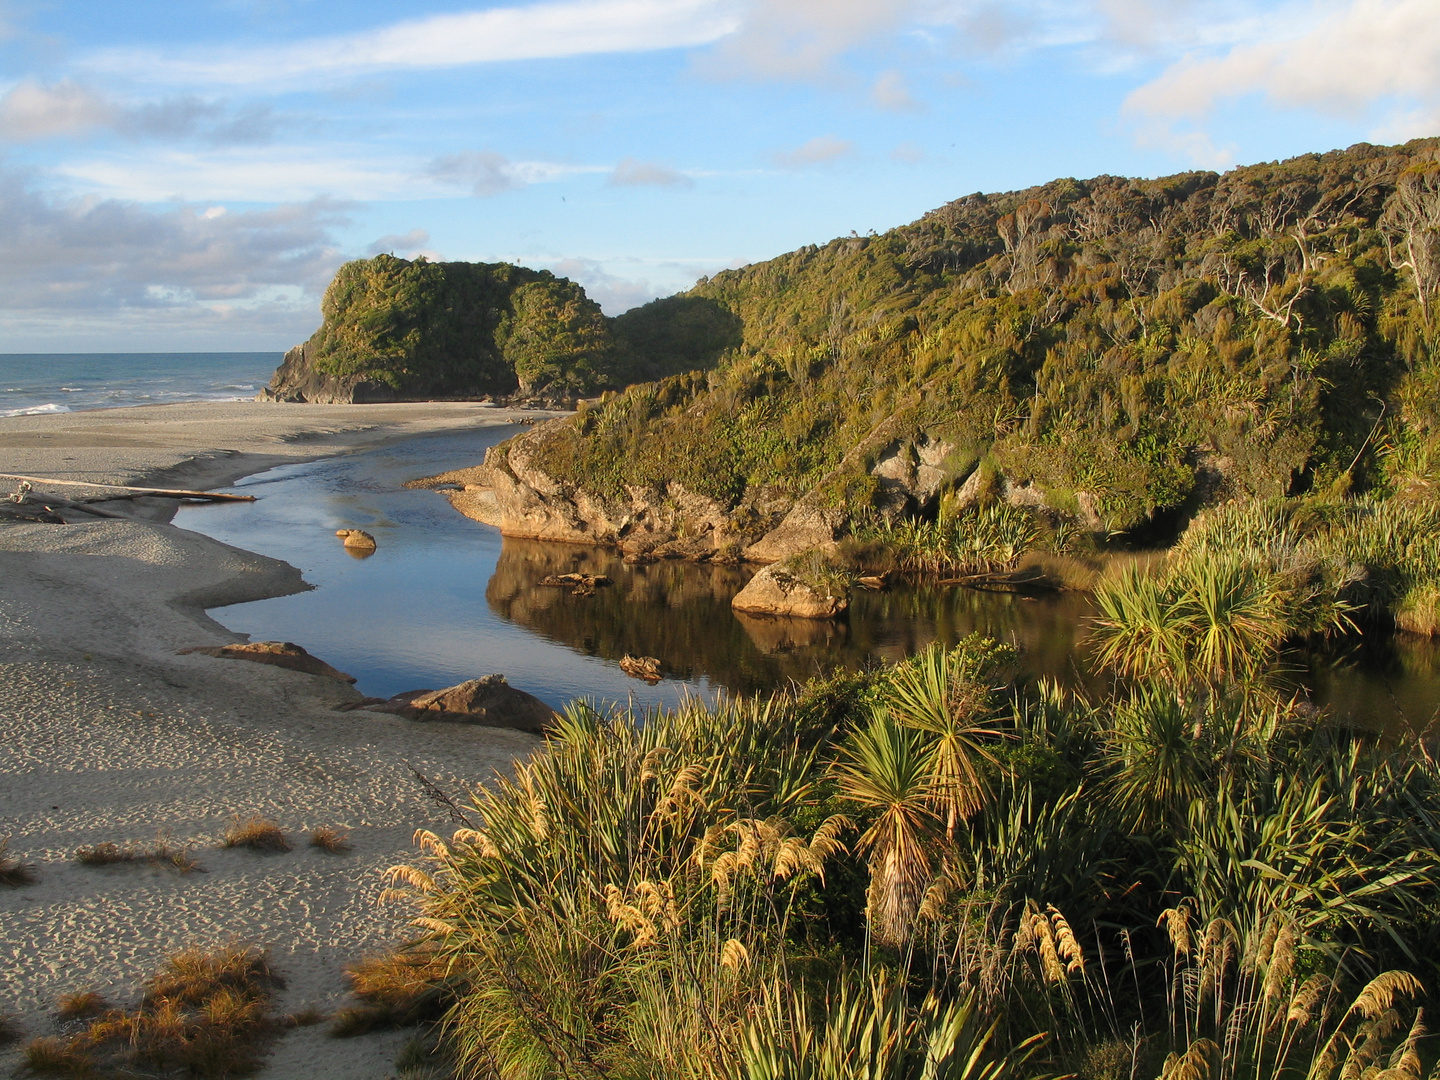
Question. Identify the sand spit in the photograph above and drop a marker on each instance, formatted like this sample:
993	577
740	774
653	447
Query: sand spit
107	735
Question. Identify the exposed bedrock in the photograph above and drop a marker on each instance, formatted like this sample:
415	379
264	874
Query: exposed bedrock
513	492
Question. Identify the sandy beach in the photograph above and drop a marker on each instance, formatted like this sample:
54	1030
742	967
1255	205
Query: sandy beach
109	735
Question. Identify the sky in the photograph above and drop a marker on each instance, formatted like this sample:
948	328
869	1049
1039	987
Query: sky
183	176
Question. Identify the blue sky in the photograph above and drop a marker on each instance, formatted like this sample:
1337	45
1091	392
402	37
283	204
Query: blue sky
188	175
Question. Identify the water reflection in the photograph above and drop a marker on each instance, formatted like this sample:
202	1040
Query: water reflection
680	614
443	599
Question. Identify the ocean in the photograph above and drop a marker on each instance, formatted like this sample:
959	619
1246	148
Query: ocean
38	383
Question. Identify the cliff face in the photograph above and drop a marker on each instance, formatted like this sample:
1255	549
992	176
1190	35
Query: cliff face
1109	354
398	330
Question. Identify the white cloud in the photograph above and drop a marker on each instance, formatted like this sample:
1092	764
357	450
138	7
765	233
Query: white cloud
633	172
891	93
818	150
406	245
487	173
1362	57
614	294
799	39
31	111
66	259
534	31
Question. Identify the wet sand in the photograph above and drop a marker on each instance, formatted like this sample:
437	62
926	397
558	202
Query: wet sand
106	734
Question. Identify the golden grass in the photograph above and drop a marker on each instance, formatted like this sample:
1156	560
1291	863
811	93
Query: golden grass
328	839
56	1056
204	1015
83	1005
13	872
407	986
163	854
257	833
308	1016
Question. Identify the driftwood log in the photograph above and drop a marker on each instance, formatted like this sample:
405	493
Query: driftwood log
1030	579
135	492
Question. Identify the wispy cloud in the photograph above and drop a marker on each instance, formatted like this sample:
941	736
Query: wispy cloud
487	173
407	245
1364	56
817	151
800	39
891	93
531	32
31	111
632	172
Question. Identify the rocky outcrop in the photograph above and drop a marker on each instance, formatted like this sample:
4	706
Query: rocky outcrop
489	701
298	379
284	654
777	590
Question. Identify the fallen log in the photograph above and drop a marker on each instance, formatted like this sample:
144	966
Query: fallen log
163	493
1031	578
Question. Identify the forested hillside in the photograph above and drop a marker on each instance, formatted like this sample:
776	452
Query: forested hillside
397	329
1107	349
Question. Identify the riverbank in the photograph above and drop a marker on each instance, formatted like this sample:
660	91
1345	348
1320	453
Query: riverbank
110	736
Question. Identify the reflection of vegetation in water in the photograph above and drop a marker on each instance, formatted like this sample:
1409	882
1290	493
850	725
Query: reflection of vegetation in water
679	612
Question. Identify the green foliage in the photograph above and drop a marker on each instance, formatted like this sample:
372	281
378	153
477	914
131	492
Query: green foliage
468	329
1126	346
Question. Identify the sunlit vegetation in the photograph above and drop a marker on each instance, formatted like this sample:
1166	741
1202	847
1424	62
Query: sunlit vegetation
206	1014
162	853
256	832
1130	349
455	329
929	870
13	872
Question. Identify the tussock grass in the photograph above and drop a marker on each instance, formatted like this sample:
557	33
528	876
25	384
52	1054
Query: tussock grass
329	839
258	833
205	1014
13	872
404	987
308	1016
162	854
81	1005
9	1030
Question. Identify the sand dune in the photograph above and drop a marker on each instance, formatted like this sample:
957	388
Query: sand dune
107	735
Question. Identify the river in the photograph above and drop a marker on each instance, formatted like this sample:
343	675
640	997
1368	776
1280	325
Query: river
444	599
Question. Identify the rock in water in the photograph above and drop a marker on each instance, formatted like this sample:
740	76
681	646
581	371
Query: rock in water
284	654
490	701
777	591
357	539
641	667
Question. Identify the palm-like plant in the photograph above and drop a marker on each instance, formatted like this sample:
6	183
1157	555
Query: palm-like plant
1138	632
886	768
1157	759
1230	614
942	695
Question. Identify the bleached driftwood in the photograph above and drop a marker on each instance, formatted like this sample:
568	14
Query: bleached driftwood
163	493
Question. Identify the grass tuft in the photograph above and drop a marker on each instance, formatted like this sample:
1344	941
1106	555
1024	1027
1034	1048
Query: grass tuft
13	872
83	1005
163	854
356	1020
309	1016
54	1056
204	1015
329	839
9	1030
257	833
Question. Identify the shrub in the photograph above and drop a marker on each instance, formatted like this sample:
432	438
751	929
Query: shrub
257	833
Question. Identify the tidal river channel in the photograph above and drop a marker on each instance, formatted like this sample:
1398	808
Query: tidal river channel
444	599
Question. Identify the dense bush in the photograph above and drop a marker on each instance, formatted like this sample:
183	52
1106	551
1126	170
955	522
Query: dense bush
924	871
1145	344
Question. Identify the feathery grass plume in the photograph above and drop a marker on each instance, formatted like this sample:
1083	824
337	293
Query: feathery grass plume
256	832
1380	993
1176	921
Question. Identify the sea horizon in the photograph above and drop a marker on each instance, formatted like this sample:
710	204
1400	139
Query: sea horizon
36	383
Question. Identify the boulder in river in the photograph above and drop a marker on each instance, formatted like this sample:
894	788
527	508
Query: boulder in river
779	590
489	701
284	654
356	540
